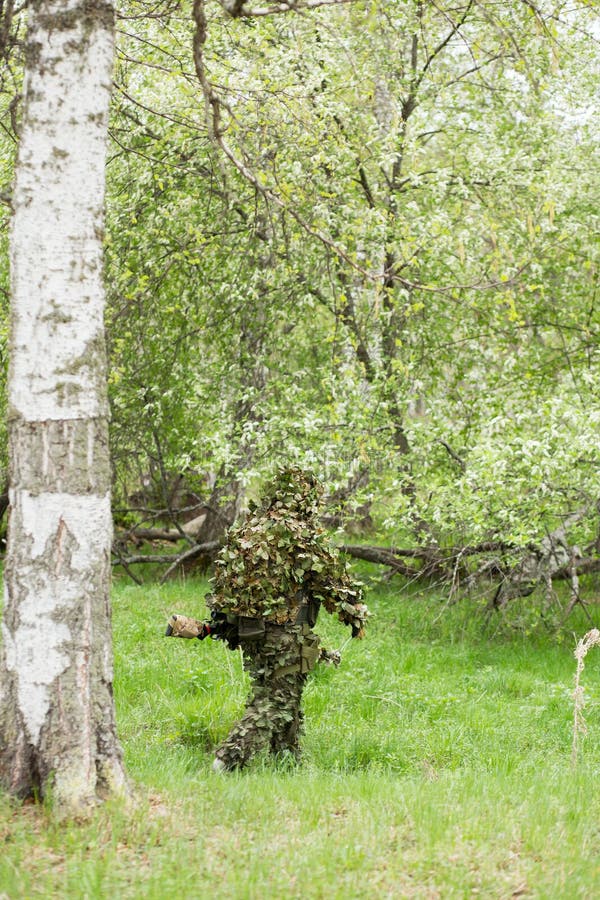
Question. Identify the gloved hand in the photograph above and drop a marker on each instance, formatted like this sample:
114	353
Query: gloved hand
332	657
361	613
184	627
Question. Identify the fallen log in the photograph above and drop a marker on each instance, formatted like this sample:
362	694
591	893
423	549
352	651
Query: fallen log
434	561
188	529
172	559
381	556
552	560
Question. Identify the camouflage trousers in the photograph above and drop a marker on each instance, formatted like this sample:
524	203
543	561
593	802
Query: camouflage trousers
278	665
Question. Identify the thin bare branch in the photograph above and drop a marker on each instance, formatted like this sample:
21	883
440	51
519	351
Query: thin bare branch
238	9
455	456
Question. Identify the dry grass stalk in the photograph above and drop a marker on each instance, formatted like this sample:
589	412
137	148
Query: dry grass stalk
589	640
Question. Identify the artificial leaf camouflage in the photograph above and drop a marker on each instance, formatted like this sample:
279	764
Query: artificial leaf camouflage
272	720
281	555
276	564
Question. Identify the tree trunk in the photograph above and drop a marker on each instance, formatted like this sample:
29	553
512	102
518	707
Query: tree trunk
57	722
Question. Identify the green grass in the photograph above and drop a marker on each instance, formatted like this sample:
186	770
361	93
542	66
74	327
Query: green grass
436	764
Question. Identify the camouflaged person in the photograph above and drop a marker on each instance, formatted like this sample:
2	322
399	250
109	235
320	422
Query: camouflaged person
275	572
271	578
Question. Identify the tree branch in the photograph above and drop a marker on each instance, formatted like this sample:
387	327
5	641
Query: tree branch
216	131
237	8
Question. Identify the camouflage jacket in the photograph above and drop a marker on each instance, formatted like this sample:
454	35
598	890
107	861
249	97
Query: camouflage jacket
280	557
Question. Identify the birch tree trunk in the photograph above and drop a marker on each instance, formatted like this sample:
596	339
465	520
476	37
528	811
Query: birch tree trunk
57	724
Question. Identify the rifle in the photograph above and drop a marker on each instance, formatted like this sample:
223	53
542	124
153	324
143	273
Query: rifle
219	629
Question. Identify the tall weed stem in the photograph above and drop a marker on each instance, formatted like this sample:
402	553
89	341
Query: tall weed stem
589	640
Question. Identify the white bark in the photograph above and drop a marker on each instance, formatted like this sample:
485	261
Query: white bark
57	717
56	251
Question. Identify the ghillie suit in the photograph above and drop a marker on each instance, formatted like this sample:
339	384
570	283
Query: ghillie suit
272	576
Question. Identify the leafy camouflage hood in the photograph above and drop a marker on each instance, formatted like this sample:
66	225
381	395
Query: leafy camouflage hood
294	489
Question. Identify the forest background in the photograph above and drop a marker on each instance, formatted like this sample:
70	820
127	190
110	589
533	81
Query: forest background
363	238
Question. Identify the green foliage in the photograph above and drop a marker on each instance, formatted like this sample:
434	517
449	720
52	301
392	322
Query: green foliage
410	263
396	257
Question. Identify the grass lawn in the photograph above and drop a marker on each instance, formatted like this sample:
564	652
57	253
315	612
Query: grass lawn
437	763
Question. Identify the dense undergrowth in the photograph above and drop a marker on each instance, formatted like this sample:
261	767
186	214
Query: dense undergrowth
437	763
